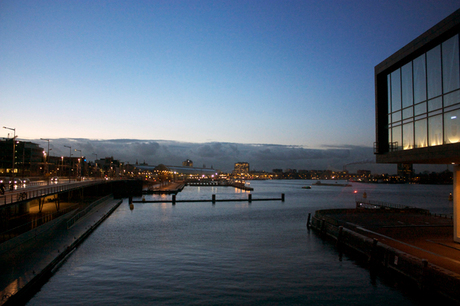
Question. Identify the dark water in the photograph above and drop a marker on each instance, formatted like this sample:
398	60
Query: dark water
232	253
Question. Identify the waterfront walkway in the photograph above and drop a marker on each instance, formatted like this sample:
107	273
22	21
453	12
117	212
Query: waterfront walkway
30	261
424	240
424	236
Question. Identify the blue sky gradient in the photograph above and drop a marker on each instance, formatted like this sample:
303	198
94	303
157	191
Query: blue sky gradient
255	72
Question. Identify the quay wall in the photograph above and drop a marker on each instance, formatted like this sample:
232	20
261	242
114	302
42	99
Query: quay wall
31	287
424	275
34	233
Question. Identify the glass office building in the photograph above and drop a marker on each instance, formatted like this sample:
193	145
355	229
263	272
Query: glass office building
424	99
417	94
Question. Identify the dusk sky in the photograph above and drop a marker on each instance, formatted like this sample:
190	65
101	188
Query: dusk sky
291	73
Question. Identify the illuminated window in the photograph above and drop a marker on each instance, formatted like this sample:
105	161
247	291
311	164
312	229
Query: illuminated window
435	130
452	126
421	139
397	137
408	136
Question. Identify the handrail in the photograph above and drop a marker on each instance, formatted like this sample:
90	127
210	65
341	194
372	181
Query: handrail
24	195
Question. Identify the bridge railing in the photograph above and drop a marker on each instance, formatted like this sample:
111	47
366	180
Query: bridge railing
40	192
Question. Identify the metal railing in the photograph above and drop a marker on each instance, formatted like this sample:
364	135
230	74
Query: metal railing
18	196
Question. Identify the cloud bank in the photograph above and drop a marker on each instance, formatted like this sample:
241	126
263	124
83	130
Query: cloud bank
221	155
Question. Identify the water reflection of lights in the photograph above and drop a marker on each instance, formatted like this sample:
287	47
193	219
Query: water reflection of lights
13	287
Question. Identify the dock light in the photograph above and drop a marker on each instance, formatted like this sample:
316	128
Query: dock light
356	191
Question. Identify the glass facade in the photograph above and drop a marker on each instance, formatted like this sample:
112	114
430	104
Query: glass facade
424	99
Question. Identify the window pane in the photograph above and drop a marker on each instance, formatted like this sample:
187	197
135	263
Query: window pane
434	104
397	137
419	79
389	136
450	64
433	58
397	116
408	113
406	82
452	98
452	126
435	130
408	136
389	93
421	139
395	90
420	109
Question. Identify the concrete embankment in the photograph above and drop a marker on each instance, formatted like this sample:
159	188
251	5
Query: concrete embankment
415	246
31	261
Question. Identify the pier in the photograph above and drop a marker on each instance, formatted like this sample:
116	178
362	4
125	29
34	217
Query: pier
169	188
403	241
176	187
212	200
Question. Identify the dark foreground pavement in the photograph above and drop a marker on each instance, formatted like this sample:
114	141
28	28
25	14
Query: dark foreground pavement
424	236
30	260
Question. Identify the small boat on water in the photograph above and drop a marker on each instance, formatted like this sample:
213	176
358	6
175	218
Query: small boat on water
306	187
333	184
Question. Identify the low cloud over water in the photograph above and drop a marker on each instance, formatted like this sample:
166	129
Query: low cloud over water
221	155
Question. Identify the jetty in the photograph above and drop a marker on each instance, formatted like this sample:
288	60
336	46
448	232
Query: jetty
176	187
398	240
169	188
212	200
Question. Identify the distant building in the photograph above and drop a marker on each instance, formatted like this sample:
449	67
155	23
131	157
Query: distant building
364	173
28	158
187	163
417	99
405	171
111	167
241	168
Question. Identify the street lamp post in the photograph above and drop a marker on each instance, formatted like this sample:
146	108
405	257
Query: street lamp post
78	166
48	154
14	146
70	159
95	162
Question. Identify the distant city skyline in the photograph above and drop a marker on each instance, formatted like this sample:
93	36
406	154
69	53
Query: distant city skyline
223	156
296	75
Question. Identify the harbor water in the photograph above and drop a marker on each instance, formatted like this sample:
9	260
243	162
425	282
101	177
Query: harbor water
232	253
